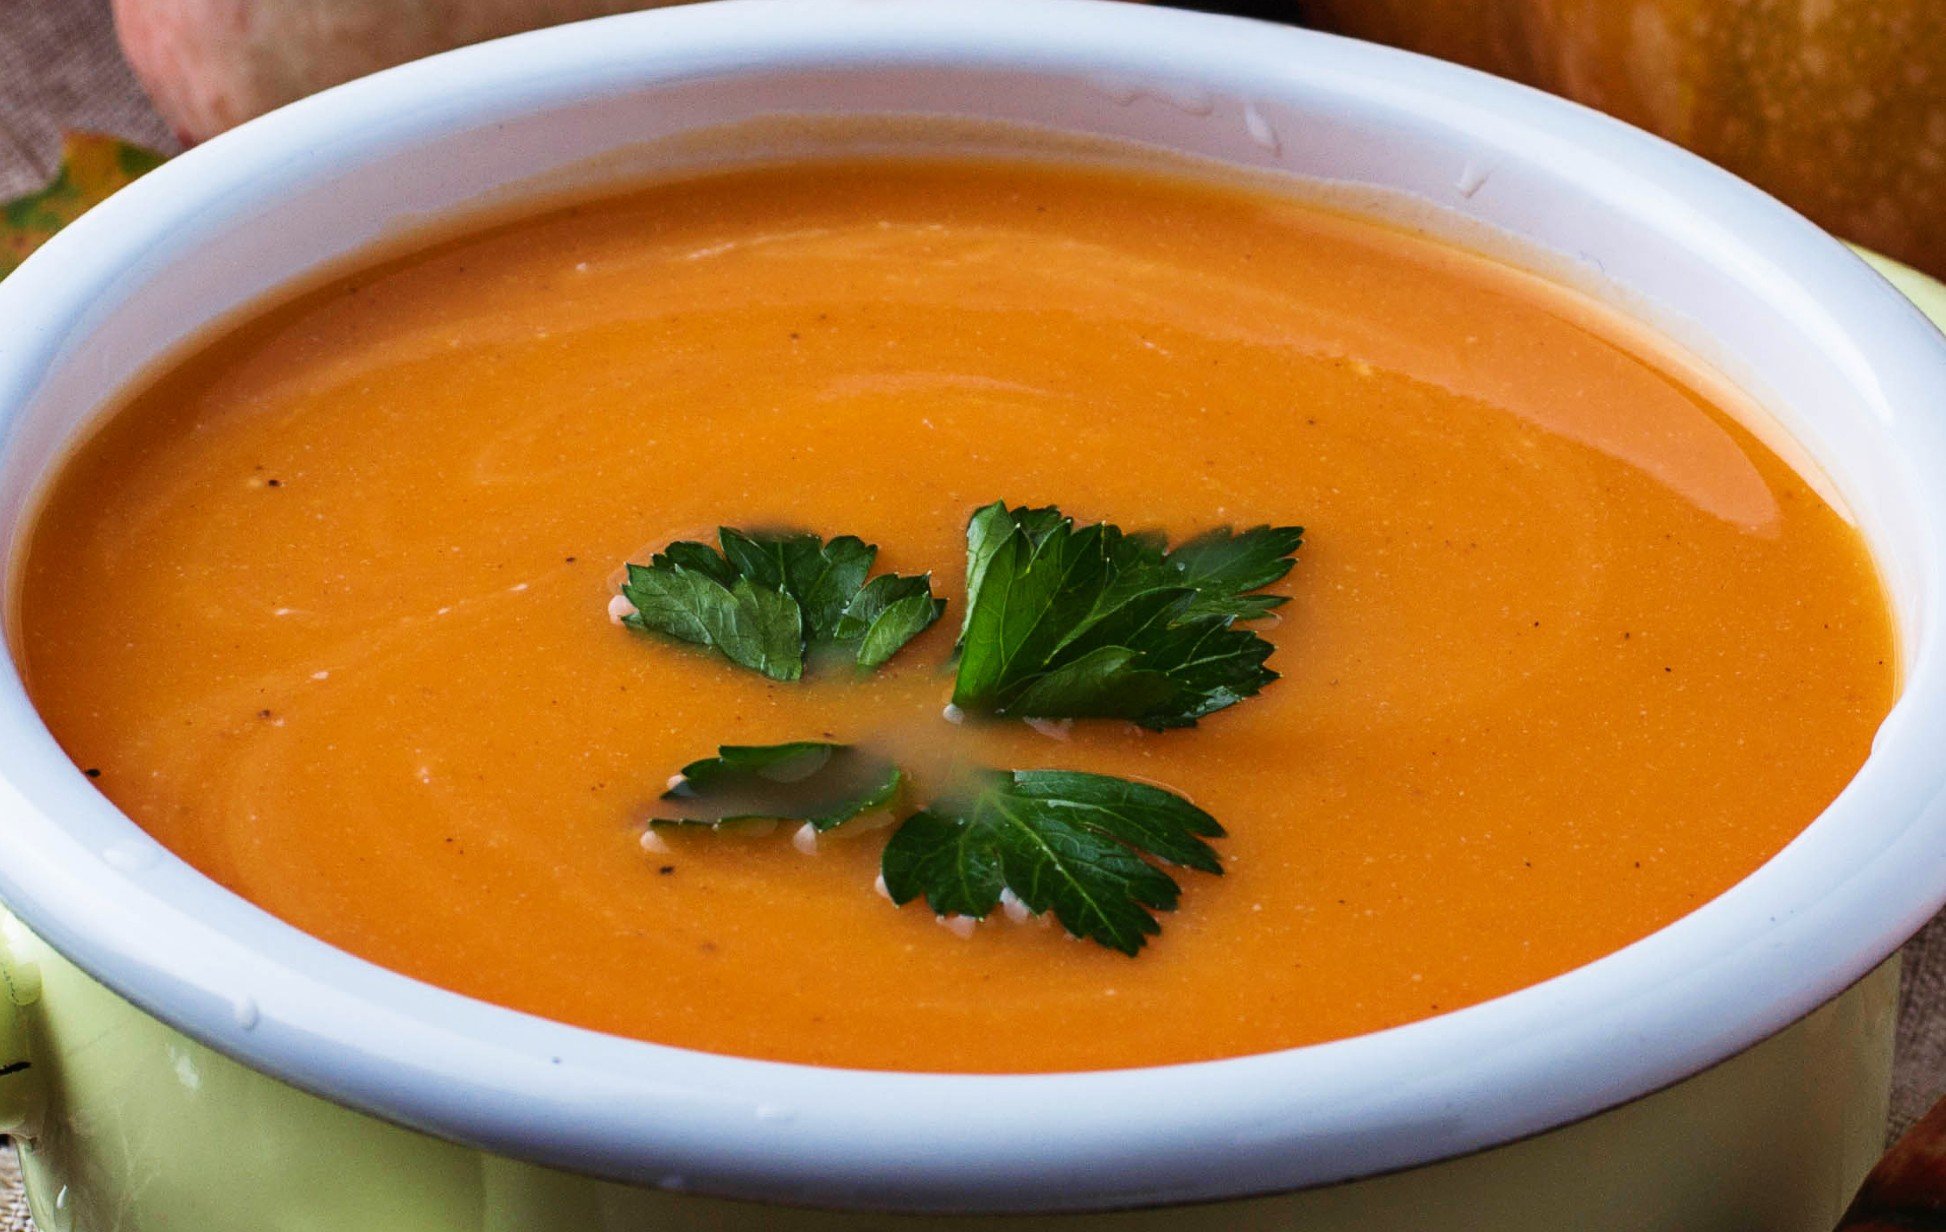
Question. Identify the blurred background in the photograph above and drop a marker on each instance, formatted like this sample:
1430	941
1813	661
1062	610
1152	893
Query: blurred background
1837	106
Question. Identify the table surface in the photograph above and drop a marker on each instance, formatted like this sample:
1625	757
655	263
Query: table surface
59	70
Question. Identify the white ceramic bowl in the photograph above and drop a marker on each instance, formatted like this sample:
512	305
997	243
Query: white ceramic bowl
1849	369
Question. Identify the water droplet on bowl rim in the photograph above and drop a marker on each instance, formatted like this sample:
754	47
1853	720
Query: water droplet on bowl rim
1260	130
1117	90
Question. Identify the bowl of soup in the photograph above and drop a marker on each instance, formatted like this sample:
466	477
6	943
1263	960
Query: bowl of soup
410	493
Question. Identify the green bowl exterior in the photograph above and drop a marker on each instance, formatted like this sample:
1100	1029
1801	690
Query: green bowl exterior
126	1124
1928	293
137	1128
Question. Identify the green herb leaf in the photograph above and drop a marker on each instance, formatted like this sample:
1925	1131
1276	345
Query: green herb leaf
808	780
1076	844
1066	621
889	612
92	166
769	599
1224	567
822	577
1082	846
753	626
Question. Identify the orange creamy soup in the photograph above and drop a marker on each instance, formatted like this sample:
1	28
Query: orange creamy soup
324	607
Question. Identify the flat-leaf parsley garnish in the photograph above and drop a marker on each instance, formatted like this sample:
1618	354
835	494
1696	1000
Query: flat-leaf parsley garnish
1067	621
1078	845
767	600
808	780
1062	621
1085	847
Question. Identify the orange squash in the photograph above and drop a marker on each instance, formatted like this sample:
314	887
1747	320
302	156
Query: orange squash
212	64
1838	108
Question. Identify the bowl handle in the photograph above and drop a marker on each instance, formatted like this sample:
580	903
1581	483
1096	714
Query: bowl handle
20	987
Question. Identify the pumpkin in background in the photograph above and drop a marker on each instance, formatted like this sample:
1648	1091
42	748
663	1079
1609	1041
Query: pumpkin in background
1836	106
212	64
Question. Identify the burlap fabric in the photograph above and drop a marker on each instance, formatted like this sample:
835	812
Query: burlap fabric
59	69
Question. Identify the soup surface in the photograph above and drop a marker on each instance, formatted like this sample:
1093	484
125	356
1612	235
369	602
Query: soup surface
324	607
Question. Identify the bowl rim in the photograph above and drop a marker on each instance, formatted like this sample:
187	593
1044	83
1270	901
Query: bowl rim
1733	972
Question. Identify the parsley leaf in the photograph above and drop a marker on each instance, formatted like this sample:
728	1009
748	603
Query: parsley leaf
886	614
1066	621
767	600
1083	846
809	780
1223	567
1060	841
